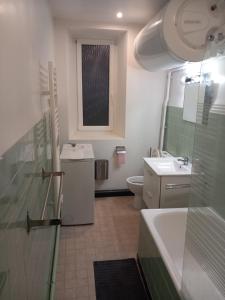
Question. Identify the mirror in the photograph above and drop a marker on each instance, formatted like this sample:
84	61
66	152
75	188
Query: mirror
191	98
181	111
198	91
190	101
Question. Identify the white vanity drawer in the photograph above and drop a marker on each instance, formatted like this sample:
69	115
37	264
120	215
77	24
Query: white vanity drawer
175	191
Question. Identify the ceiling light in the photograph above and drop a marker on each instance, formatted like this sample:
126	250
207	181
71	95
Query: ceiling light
119	15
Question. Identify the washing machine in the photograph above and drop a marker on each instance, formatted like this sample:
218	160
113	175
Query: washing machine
77	161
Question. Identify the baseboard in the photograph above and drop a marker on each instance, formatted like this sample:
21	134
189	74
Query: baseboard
113	193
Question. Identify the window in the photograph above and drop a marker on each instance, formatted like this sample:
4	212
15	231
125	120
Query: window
94	73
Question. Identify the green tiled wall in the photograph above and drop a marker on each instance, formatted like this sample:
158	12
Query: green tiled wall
179	134
26	259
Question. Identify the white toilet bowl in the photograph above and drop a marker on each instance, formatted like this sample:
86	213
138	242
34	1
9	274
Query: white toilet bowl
135	185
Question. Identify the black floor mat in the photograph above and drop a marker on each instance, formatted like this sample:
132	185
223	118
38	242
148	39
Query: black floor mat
118	280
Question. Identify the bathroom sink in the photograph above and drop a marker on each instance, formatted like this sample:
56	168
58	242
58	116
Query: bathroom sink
168	166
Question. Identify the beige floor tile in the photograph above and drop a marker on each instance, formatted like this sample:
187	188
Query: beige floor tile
113	236
82	291
70	294
59	295
82	274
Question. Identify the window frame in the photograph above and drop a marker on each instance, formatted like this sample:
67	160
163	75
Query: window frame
112	61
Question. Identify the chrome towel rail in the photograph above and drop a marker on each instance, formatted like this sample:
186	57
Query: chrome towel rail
43	222
46	198
59	202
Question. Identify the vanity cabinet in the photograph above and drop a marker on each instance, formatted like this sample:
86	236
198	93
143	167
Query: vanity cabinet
151	191
165	191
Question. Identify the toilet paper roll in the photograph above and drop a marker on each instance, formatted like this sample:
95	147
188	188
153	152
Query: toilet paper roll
120	158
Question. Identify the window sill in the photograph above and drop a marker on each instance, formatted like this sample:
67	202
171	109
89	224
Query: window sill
95	136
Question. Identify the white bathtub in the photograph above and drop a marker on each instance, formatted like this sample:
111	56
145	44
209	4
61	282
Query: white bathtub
167	227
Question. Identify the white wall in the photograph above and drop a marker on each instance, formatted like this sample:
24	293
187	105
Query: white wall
144	98
63	46
26	35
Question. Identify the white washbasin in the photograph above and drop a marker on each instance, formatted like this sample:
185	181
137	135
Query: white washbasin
169	166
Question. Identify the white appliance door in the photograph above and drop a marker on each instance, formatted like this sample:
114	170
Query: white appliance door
78	192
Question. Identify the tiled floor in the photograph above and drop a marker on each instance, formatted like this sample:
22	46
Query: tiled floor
113	236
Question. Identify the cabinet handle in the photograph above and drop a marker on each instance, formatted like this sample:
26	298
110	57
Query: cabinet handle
173	186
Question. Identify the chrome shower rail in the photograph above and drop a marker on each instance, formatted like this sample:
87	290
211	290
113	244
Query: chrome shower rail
46	198
49	222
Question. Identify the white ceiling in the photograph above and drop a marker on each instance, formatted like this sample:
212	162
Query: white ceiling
135	11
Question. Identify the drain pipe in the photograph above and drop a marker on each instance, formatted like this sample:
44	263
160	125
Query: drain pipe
164	109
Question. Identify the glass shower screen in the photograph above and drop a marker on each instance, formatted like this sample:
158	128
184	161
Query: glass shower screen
204	254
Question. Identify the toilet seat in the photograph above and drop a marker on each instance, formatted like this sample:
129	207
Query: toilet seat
135	184
136	180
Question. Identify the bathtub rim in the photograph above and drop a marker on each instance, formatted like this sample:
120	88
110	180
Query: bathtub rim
149	216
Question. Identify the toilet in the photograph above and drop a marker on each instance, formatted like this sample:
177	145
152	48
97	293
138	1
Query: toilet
135	185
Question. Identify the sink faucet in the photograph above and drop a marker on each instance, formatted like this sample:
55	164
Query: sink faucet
185	160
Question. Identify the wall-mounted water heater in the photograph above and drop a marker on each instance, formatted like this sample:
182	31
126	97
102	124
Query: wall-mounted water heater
179	33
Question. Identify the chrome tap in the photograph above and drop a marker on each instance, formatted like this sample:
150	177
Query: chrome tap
185	160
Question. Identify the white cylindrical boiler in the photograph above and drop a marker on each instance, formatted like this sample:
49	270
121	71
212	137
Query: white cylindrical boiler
178	34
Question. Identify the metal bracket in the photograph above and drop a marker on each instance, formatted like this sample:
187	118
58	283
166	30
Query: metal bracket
120	150
40	223
46	174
